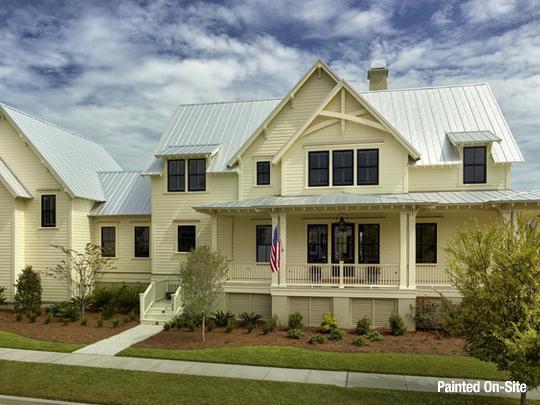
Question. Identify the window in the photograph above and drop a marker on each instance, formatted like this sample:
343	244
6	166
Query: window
342	168
318	169
263	173
264	242
186	238
426	243
368	243
197	175
142	241
48	211
368	167
474	165
108	241
176	172
317	242
343	243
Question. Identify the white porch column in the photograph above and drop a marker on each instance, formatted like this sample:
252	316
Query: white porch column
412	249
275	220
214	221
403	250
283	237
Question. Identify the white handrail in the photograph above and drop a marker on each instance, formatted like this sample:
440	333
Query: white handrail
146	299
432	275
176	304
249	272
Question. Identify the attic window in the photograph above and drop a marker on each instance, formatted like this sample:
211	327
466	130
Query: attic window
474	165
48	211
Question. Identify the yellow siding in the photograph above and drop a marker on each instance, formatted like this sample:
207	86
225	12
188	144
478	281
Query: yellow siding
80	223
7	207
19	231
244	237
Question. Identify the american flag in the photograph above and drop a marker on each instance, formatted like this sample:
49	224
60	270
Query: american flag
275	254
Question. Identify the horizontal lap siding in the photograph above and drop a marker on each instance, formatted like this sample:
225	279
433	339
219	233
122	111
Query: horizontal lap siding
7	207
257	303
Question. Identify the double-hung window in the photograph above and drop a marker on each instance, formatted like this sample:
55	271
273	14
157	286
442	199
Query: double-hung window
186	238
176	172
342	167
263	173
264	242
317	243
368	243
142	241
108	241
197	175
426	243
368	167
318	169
474	165
48	211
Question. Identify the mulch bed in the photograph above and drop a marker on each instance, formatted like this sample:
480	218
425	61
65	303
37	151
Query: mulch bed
55	331
411	342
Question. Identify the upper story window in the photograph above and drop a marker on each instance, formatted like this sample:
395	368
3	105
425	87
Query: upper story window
317	243
264	242
108	241
318	169
176	172
474	165
48	211
368	167
342	168
426	243
197	175
263	173
142	241
186	238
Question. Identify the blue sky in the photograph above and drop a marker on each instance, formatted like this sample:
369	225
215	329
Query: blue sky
114	71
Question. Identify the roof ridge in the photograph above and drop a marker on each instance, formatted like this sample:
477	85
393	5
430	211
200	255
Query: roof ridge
426	87
50	123
231	102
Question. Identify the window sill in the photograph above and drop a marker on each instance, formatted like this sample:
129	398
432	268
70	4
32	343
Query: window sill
48	227
110	258
140	258
262	185
184	192
181	253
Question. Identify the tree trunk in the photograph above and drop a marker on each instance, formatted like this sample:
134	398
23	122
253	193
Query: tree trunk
203	327
523	398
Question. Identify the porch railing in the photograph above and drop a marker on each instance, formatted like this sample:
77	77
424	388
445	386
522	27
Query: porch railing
156	290
343	275
431	275
249	272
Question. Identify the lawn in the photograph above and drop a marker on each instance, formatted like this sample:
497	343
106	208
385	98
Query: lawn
84	384
14	341
386	363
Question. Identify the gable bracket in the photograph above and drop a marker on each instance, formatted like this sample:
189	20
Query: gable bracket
352	118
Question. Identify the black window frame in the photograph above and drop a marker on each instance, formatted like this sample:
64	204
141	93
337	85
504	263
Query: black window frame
320	169
179	175
422	246
144	250
343	168
361	165
108	241
194	178
369	252
320	246
350	242
266	243
48	211
474	165
186	238
263	173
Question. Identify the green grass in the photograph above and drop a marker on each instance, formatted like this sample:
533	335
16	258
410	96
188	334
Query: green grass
85	384
386	363
14	341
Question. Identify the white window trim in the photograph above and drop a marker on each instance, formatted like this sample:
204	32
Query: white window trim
106	225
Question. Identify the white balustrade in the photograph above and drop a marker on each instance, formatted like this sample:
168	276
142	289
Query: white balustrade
432	275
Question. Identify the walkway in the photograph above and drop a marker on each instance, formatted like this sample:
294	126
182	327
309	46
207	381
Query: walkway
115	344
11	400
338	378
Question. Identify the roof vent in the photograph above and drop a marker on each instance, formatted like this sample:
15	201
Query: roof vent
378	75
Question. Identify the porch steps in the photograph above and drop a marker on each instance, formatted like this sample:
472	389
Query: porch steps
159	313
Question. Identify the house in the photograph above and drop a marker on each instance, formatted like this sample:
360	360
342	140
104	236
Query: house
365	188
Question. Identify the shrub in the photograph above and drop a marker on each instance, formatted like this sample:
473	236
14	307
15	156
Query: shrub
132	316
99	322
451	318
295	321
68	312
53	309
295	333
104	295
127	298
363	326
167	326
107	311
397	326
360	341
125	319
84	322
316	340
28	292
374	336
221	318
18	316
229	327
336	334
210	326
270	325
250	321
48	318
2	295
32	316
328	323
115	323
427	314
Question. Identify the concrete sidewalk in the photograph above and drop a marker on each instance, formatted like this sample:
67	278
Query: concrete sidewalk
338	378
11	400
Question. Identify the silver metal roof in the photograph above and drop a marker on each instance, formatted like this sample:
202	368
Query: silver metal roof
12	183
472	137
73	159
424	115
128	193
187	150
348	199
228	124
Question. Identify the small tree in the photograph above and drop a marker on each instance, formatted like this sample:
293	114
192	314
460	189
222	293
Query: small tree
497	271
201	282
28	293
79	271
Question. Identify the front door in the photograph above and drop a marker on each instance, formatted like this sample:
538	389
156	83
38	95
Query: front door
343	247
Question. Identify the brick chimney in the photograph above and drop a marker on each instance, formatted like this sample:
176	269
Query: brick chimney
378	75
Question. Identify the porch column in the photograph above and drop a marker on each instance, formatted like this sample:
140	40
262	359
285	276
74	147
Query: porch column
214	221
275	220
283	237
403	250
412	249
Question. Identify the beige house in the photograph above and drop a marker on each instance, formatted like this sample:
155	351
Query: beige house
365	188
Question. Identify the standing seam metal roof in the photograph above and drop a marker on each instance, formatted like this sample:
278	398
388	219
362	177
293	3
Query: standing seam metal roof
12	183
189	150
458	138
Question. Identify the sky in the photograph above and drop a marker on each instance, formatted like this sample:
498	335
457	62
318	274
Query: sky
115	71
